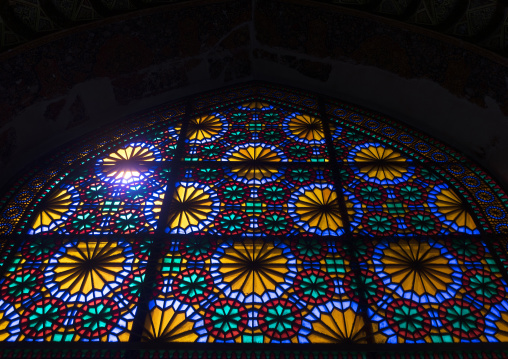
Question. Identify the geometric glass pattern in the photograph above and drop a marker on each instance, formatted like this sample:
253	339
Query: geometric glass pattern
257	216
82	289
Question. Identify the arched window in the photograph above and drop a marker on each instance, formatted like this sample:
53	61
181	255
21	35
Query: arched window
254	215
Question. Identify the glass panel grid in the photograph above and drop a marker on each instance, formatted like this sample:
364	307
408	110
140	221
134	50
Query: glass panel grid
265	241
430	290
255	199
256	131
253	291
80	289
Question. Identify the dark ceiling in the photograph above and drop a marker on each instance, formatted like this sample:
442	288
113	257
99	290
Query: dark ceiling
69	67
482	22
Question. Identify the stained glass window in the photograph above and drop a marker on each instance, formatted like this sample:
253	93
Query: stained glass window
255	215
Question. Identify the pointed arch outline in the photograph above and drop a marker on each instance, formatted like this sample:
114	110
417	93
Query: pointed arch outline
482	200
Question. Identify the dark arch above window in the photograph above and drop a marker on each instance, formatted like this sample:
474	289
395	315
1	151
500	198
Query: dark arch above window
255	215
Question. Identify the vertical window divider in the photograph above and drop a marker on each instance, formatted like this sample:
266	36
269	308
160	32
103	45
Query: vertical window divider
348	237
160	237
